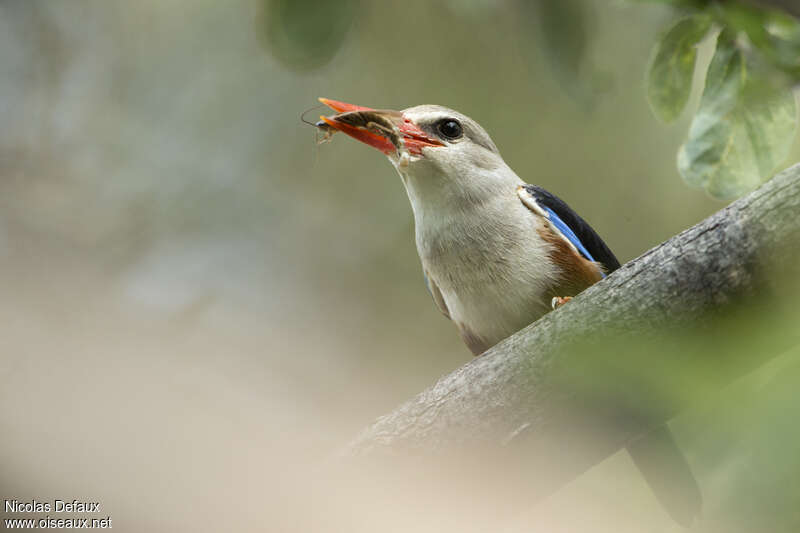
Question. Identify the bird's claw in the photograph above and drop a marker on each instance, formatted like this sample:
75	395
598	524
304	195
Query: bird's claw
558	301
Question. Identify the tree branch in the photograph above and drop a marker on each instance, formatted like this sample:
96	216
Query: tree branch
626	355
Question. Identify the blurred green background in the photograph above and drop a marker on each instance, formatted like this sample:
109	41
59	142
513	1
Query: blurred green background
200	303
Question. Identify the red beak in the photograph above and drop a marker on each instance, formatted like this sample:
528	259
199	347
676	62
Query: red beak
409	135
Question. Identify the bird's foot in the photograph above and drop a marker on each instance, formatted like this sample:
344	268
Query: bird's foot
558	301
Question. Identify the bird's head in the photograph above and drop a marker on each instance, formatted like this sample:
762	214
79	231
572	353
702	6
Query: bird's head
432	146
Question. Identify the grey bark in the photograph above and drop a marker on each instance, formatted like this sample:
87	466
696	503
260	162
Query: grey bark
702	309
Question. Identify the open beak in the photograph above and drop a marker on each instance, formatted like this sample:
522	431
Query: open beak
388	131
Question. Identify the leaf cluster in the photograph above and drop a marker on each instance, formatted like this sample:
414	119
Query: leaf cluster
746	121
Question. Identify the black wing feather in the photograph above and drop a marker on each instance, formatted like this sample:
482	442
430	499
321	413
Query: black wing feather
588	237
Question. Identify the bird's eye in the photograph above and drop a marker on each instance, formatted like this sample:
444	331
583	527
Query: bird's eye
449	128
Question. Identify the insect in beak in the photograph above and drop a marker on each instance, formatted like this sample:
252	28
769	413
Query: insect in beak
386	130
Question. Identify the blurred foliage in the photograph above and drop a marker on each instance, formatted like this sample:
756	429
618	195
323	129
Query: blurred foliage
305	34
234	301
746	121
562	31
564	34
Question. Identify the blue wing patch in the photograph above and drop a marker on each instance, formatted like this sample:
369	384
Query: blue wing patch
569	234
571	226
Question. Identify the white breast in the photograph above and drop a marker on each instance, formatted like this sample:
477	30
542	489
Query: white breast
490	265
478	242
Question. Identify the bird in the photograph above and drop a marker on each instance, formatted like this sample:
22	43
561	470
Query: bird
498	253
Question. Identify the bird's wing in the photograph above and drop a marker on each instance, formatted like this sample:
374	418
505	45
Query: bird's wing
436	294
569	224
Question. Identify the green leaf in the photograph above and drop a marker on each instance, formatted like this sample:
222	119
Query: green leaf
743	129
669	74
